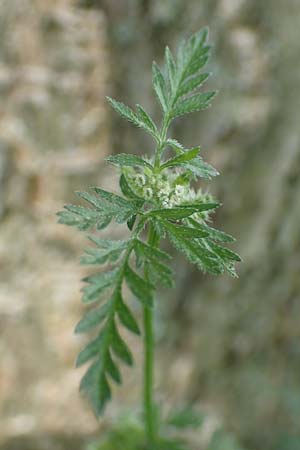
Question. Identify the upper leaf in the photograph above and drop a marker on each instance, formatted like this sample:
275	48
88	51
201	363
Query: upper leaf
182	158
141	119
175	145
172	69
125	159
146	119
200	169
196	102
185	77
193	53
192	83
160	86
190	160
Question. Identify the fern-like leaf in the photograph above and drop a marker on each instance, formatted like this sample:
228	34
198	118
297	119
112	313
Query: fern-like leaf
140	120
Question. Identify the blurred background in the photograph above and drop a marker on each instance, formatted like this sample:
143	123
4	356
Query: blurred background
231	347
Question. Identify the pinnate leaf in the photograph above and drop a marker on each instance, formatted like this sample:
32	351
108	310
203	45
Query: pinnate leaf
125	159
140	287
92	318
200	206
190	232
192	83
175	145
95	386
225	253
196	102
154	261
82	218
146	119
172	70
112	369
119	346
185	418
89	351
101	255
214	234
182	158
160	86
196	253
98	283
137	119
126	317
175	213
200	169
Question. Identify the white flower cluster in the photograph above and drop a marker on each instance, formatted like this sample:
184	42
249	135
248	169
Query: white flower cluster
172	195
166	190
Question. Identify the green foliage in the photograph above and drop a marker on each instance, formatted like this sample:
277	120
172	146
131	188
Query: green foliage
123	159
185	418
141	119
105	207
176	92
223	441
140	287
155	262
159	196
182	158
130	435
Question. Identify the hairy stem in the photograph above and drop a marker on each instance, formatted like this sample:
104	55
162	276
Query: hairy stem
148	376
153	240
149	408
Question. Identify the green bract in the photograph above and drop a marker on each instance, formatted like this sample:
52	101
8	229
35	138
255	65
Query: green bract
157	196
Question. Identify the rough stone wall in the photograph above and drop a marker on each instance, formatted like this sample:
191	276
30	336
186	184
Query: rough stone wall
53	136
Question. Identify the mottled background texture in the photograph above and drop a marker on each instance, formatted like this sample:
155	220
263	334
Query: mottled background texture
231	347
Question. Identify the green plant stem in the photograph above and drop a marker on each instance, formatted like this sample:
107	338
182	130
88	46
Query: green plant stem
149	376
153	240
149	408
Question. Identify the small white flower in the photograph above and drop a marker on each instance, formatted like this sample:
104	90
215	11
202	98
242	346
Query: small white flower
164	192
175	200
151	180
161	184
148	193
179	190
140	180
